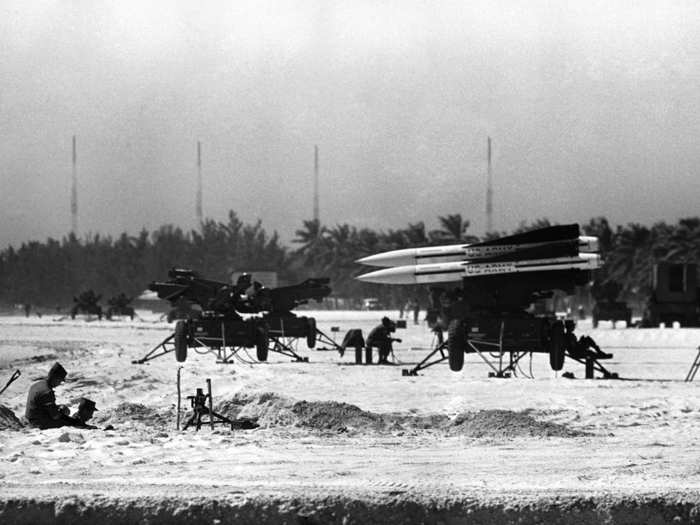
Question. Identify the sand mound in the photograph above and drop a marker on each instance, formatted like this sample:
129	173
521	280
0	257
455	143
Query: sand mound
331	415
272	410
506	424
266	408
135	413
8	420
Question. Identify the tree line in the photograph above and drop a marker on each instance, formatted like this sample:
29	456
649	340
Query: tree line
51	273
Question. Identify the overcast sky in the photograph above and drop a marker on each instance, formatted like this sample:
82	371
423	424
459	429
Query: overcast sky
593	107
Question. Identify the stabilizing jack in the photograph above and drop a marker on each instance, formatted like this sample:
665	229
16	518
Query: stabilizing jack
694	367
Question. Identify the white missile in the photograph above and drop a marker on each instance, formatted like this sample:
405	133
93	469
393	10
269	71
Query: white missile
460	252
456	271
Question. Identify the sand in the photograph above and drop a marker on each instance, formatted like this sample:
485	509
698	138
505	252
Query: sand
345	443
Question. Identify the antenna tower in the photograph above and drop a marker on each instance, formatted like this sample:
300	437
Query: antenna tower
316	211
198	204
74	193
489	189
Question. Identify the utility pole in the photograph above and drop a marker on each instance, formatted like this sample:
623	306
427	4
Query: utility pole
74	193
198	204
489	189
317	217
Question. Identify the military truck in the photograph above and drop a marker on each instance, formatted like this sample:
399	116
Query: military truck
674	295
607	306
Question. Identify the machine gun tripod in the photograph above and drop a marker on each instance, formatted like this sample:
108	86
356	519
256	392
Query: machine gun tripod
202	406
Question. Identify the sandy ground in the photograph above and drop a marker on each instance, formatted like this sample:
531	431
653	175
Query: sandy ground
345	443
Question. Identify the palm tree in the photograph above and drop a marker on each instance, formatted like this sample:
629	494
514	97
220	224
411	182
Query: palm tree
309	235
454	229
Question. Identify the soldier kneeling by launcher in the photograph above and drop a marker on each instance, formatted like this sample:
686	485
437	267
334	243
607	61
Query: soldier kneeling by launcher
380	337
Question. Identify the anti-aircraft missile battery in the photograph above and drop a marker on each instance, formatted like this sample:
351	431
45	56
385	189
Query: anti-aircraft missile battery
217	323
500	279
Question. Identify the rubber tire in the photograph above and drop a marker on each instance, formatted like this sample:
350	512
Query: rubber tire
456	344
557	346
311	336
180	341
262	344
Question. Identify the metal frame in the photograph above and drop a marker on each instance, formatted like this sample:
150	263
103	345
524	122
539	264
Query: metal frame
694	367
440	346
286	346
323	338
168	341
224	354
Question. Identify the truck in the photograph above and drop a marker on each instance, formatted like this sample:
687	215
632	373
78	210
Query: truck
674	295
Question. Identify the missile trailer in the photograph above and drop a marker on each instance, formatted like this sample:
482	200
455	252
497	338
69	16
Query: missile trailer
490	314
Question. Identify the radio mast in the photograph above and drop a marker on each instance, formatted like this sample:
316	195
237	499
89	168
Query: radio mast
198	204
74	193
317	217
489	189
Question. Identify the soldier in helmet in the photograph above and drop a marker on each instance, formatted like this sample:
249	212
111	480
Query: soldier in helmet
42	411
380	336
86	409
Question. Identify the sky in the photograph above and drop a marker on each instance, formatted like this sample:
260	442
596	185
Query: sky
593	108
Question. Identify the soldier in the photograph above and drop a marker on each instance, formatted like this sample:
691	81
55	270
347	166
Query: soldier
42	411
416	310
381	338
86	409
583	347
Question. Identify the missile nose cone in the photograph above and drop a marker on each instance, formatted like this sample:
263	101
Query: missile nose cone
389	259
369	260
398	275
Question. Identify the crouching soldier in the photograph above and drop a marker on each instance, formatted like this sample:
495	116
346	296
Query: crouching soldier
42	411
380	337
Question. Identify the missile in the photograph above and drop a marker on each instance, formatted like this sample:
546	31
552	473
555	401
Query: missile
460	252
456	271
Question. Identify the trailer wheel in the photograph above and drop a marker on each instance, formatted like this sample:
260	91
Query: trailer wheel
311	336
180	341
456	344
557	343
262	343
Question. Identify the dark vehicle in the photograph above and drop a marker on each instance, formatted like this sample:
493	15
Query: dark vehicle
674	296
611	311
607	306
86	303
120	305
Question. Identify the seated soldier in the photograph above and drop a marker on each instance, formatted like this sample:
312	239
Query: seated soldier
583	347
86	409
42	411
381	338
